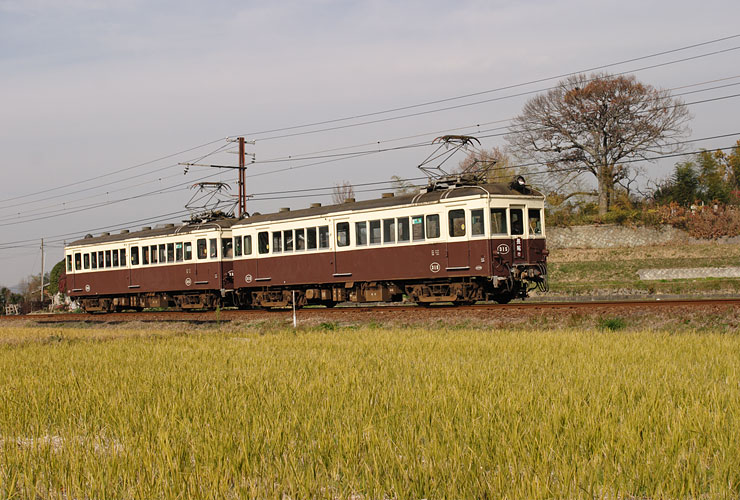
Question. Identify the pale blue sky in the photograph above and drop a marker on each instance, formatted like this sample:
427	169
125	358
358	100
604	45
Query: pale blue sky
90	87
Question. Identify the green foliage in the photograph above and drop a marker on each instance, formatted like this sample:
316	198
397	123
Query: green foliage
54	275
612	324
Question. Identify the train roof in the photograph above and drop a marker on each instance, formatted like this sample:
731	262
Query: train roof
164	230
392	201
225	223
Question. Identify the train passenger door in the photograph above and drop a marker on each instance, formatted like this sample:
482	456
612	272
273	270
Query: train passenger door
458	250
518	232
342	239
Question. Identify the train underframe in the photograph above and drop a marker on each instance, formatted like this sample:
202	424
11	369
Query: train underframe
459	291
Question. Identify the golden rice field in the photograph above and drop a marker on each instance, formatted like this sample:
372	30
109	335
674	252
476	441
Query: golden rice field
367	413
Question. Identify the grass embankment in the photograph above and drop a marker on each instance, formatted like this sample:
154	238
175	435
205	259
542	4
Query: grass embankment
603	271
368	413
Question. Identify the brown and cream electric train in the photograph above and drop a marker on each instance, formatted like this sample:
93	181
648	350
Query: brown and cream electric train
456	243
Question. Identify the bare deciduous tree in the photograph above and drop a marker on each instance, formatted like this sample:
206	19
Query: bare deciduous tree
593	124
342	192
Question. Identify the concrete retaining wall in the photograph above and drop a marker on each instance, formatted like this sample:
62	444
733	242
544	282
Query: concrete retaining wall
612	235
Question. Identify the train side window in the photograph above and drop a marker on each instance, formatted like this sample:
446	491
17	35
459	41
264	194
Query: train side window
417	227
498	221
123	257
311	238
162	253
134	256
457	222
477	227
108	262
145	255
78	262
238	246
288	240
213	244
300	239
227	248
389	231
323	236
343	234
248	245
360	233
170	252
94	260
403	229
179	254
100	259
517	222
277	242
433	226
86	260
375	232
535	221
201	248
69	263
263	242
115	258
188	250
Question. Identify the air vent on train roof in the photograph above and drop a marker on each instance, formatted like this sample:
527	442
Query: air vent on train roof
349	200
169	226
105	234
124	231
284	209
387	195
146	228
315	205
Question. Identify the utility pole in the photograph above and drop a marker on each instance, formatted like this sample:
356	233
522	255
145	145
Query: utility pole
42	271
242	179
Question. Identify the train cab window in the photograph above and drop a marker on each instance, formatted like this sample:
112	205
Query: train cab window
170	252
311	238
374	232
248	245
477	227
134	256
288	241
213	245
115	258
162	254
145	255
300	239
94	260
108	261
517	222
360	233
457	222
433	226
227	250
277	242
78	262
188	250
202	250
417	227
153	253
403	229
238	246
389	231
69	263
498	221
122	251
179	252
324	236
263	242
535	221
86	260
342	234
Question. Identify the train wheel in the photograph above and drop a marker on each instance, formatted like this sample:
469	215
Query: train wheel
504	298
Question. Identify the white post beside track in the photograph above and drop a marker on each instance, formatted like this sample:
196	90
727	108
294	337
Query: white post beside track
294	319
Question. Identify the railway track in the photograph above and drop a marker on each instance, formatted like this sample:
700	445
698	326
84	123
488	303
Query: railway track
396	312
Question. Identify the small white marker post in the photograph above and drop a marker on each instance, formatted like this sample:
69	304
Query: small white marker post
294	319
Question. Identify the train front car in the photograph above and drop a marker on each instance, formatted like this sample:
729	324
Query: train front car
459	244
187	266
